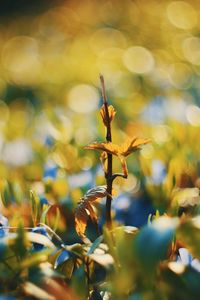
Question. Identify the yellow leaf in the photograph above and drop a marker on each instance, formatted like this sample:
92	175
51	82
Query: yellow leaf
111	112
122	150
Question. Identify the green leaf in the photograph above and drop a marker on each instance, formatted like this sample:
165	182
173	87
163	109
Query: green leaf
44	213
6	194
57	219
17	191
152	242
35	207
96	243
189	234
66	268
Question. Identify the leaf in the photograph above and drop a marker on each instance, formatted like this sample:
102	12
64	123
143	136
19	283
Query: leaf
60	290
152	242
129	146
6	194
105	260
67	268
35	259
57	219
85	210
121	151
45	210
64	256
111	113
35	291
186	197
40	239
35	207
96	192
189	234
96	243
82	214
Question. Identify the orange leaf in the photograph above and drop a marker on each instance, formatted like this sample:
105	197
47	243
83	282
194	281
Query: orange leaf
81	218
84	210
124	149
111	112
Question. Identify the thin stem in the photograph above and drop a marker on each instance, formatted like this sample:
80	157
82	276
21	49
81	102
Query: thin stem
108	176
115	175
87	265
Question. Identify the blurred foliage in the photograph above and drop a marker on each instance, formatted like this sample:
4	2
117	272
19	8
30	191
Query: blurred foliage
51	54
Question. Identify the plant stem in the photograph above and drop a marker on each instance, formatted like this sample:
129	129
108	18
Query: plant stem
108	175
87	274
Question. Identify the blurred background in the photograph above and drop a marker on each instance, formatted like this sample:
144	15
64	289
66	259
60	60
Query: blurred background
51	54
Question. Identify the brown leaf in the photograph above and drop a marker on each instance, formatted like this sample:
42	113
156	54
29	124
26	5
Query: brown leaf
81	218
85	210
111	112
96	192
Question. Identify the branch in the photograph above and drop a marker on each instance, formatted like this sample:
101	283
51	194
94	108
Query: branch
115	175
108	176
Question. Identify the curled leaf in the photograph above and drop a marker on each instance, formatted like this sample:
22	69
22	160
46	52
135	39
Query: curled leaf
96	192
84	210
111	112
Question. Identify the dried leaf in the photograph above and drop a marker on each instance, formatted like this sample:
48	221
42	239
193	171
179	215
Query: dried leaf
82	214
85	210
111	112
96	192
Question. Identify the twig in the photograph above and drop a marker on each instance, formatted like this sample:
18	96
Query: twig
109	175
115	175
87	272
